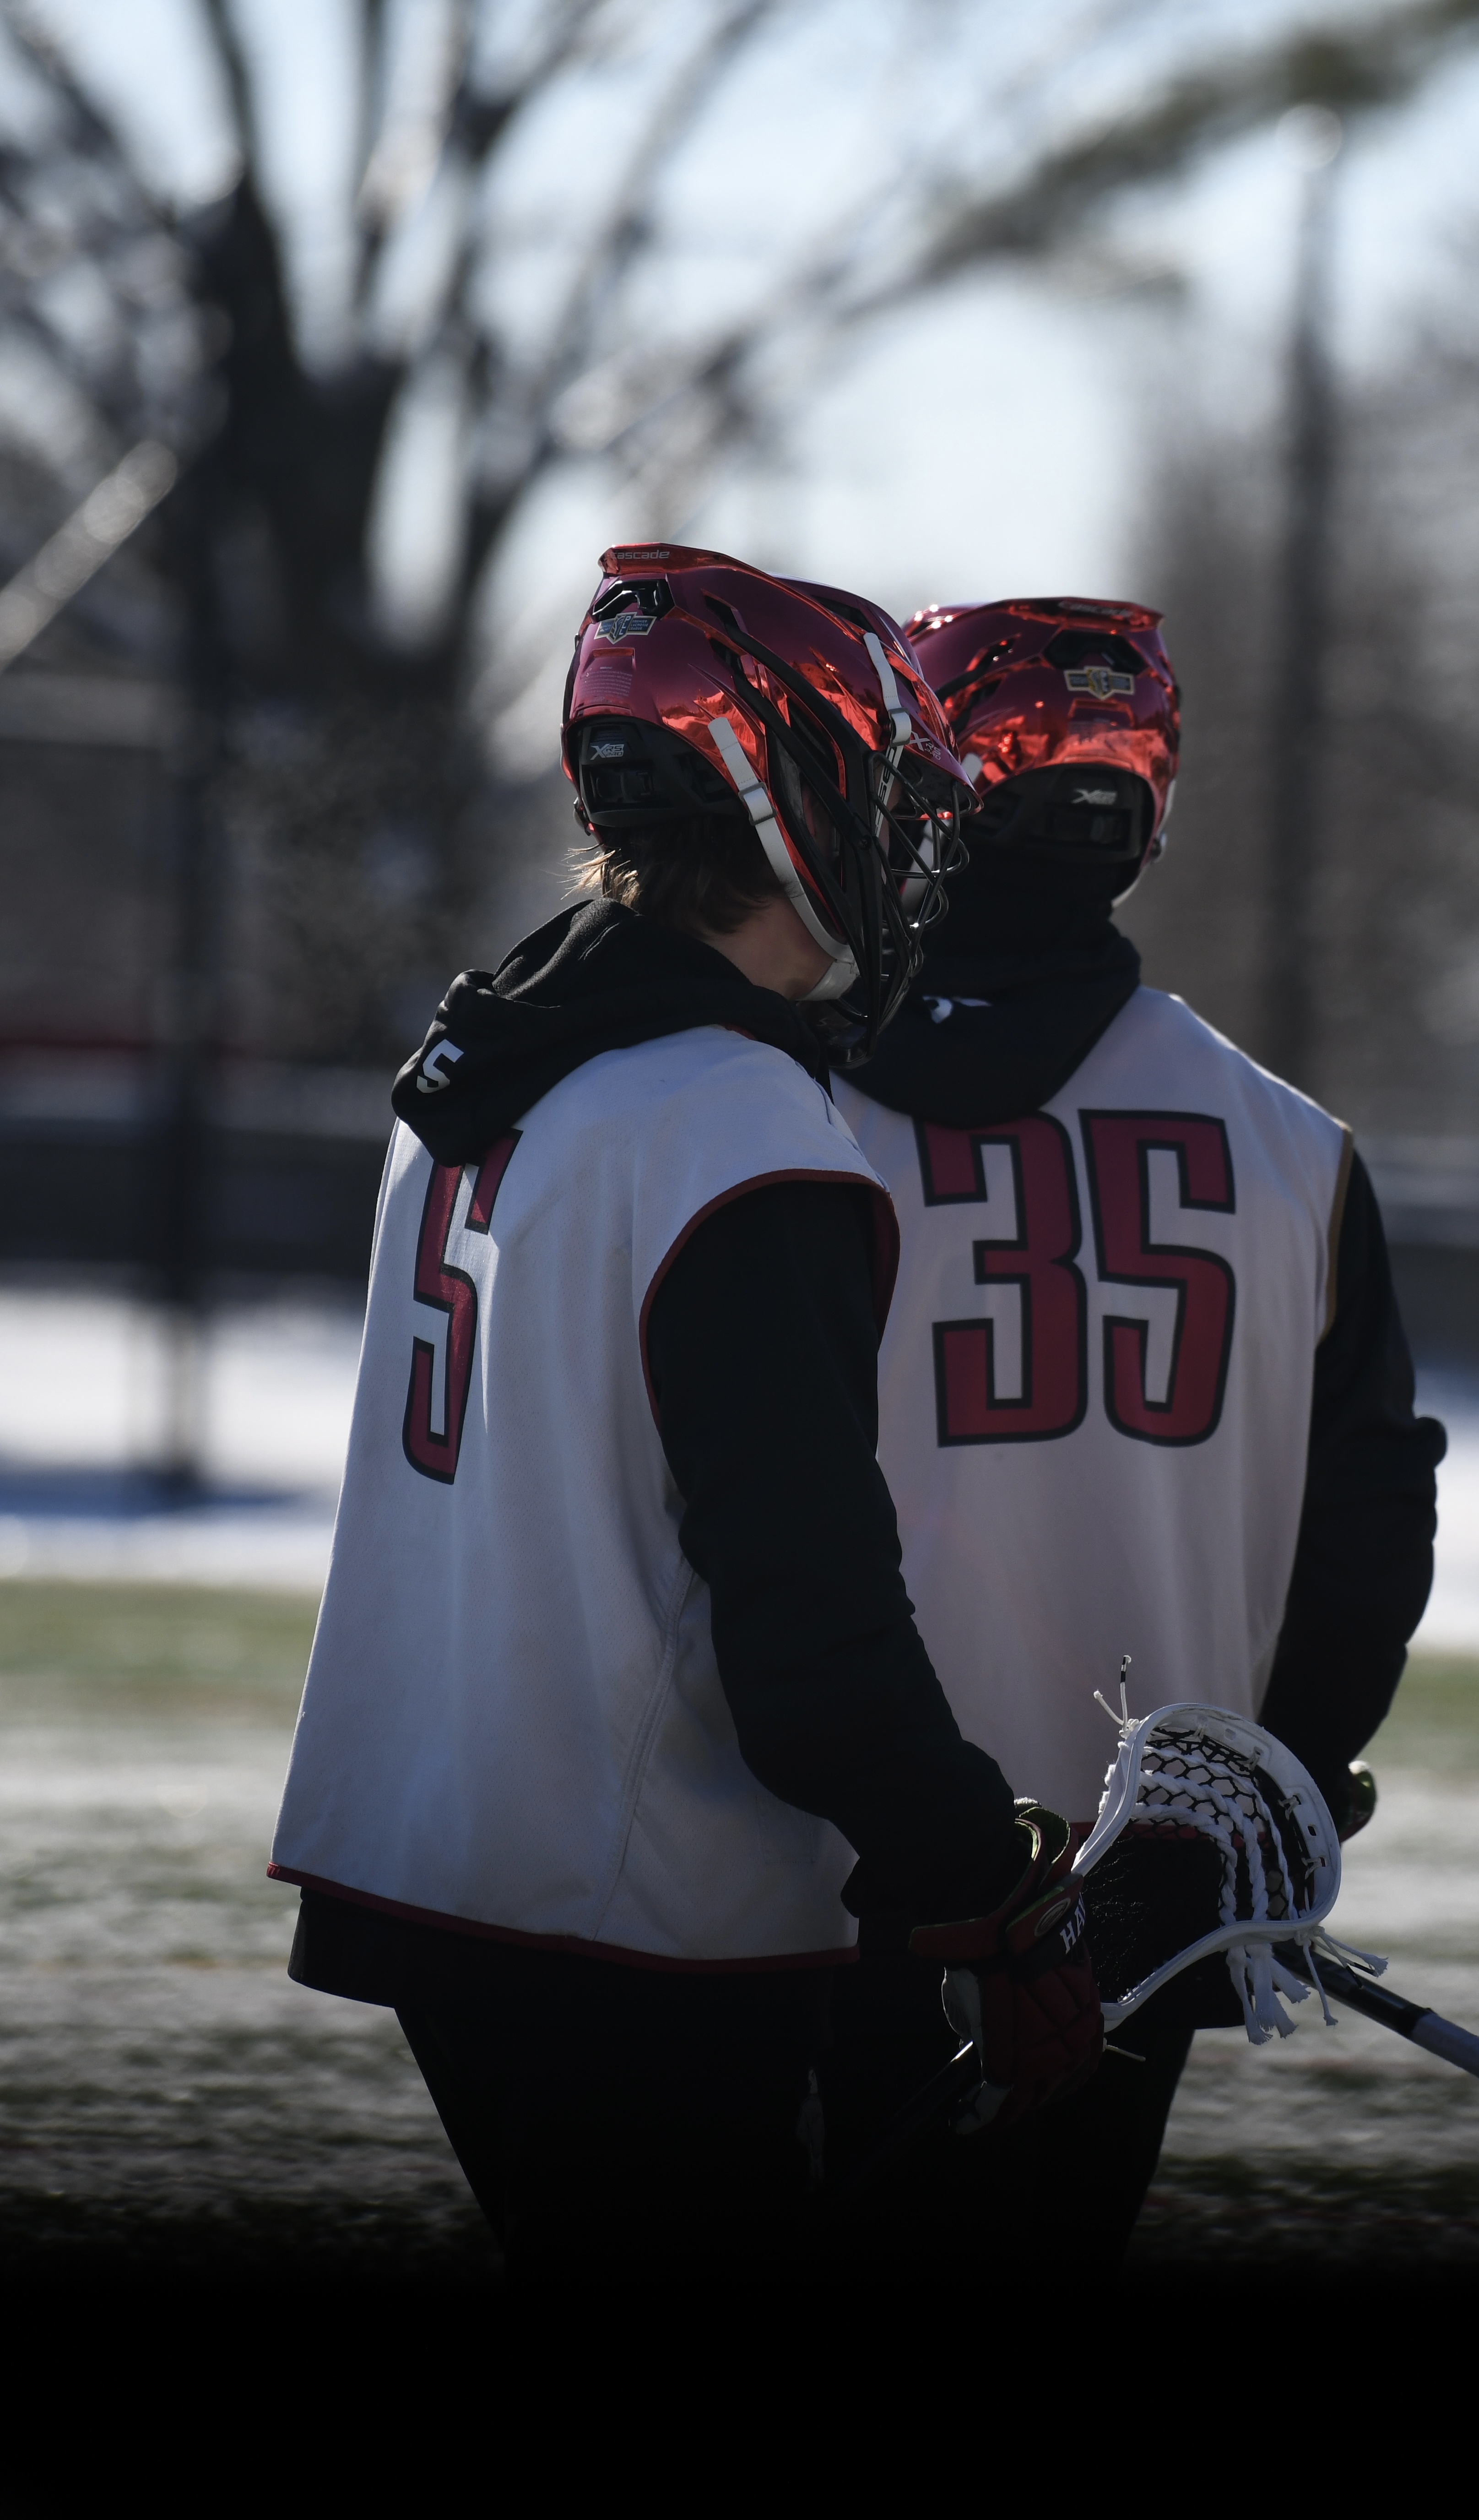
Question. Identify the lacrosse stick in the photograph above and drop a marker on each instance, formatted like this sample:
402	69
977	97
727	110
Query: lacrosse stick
1416	2021
1200	1802
1425	2027
1211	1837
945	2099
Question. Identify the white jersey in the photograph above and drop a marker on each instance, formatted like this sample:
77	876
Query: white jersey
514	1720
1095	1384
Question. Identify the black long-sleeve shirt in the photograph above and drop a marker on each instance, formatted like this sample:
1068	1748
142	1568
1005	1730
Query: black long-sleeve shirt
1363	1564
763	1349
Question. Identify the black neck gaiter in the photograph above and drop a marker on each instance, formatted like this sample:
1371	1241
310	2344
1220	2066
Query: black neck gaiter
1028	972
594	977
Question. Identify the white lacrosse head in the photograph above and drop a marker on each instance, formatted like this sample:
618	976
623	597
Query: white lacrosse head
1200	1773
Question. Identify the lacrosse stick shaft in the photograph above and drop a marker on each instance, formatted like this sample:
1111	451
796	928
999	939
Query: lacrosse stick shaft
949	2090
1425	2028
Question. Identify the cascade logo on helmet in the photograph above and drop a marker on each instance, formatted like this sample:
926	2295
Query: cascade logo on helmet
796	712
1036	690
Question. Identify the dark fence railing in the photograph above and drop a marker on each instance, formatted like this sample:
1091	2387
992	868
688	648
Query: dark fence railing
290	1165
291	1162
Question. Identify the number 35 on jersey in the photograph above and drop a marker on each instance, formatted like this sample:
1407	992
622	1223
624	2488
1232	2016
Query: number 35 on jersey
1015	1367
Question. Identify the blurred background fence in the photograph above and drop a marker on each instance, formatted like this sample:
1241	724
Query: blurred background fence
336	341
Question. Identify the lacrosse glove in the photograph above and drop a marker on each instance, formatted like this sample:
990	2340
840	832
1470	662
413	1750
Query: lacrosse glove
1020	1981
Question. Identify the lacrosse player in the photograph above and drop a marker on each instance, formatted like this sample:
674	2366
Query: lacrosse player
1144	1386
617	1718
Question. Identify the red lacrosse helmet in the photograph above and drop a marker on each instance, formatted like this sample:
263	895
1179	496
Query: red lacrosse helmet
700	685
1066	714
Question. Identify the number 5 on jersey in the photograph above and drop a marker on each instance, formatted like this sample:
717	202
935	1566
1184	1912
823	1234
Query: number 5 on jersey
1196	1294
436	1402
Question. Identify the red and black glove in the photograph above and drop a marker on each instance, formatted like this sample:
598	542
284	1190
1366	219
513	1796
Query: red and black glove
1020	1981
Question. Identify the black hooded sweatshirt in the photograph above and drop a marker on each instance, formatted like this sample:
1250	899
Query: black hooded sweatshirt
1035	972
763	1347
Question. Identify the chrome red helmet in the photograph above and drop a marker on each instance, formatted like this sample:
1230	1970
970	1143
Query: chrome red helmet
1066	714
700	685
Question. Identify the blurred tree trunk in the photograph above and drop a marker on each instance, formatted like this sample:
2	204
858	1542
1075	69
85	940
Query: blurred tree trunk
1387	963
1199	916
1296	708
342	774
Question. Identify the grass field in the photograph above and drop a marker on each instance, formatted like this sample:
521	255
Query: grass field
1350	2145
169	2101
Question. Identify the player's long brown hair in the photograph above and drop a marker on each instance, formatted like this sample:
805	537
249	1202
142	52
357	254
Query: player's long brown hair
706	872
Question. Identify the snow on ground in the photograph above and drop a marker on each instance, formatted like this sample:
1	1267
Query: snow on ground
1452	1621
163	2089
168	2100
83	1380
81	1385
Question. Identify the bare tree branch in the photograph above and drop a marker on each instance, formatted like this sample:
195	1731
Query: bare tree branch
627	227
99	214
239	85
1373	65
1053	202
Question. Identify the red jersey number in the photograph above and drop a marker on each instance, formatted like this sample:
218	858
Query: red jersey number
1019	1375
431	1434
1185	1407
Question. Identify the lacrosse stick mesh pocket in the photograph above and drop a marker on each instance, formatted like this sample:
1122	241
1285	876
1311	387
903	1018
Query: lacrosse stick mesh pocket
1140	1899
1210	1838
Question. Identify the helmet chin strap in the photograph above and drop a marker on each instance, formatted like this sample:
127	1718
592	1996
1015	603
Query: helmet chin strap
835	982
892	701
1156	850
902	730
762	813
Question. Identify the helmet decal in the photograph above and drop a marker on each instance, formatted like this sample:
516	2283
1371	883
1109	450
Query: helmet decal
1098	678
625	625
